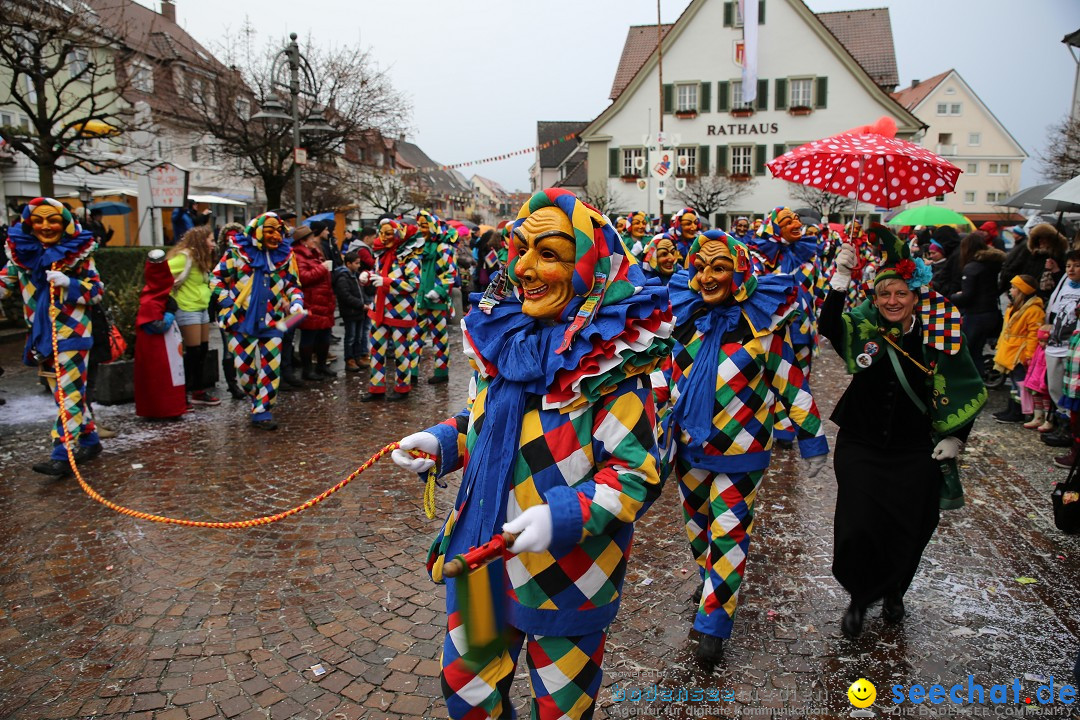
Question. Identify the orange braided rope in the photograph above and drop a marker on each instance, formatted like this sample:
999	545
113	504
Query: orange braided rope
225	525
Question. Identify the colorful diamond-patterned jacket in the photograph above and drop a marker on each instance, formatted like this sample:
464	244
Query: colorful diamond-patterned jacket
29	259
438	272
802	259
560	413
395	299
754	372
249	278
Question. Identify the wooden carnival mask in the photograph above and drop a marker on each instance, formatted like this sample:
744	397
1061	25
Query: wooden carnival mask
546	253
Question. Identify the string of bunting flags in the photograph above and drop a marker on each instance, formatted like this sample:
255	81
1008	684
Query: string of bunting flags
494	158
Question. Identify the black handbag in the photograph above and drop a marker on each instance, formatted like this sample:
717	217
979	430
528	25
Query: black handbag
1065	498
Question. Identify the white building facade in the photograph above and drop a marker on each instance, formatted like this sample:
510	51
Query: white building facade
809	87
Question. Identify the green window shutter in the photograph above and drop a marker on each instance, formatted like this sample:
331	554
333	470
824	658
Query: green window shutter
703	160
759	159
721	160
778	149
723	92
781	94
669	98
613	163
729	14
821	92
762	94
761	12
706	97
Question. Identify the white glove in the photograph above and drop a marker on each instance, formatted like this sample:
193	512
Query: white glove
376	280
947	449
432	295
815	465
328	264
423	441
365	277
295	308
846	260
533	529
57	278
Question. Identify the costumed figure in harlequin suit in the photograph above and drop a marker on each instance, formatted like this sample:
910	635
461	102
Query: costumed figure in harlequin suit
396	278
47	249
637	226
914	395
258	298
781	247
620	226
661	260
734	366
558	448
684	229
741	230
438	273
159	363
861	286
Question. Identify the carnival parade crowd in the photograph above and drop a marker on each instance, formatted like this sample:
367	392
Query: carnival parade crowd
608	356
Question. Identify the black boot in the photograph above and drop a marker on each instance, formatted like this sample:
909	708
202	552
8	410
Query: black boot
1060	436
892	607
306	362
322	367
710	649
228	369
53	468
852	623
1011	413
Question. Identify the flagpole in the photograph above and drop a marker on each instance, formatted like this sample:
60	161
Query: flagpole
660	68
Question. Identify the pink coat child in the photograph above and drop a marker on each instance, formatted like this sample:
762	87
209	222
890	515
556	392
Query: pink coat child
1037	396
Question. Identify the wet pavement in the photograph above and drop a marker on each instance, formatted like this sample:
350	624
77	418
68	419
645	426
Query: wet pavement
106	616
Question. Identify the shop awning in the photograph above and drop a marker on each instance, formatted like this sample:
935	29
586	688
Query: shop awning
214	200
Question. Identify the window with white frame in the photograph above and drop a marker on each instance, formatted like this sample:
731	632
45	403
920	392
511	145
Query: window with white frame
998	169
197	88
632	158
969	197
943	108
742	159
974	139
686	160
736	97
142	77
939	198
686	97
194	153
995	197
78	61
954	108
801	92
973	168
6	119
950	91
949	108
243	108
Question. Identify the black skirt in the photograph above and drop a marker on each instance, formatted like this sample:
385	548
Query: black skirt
886	513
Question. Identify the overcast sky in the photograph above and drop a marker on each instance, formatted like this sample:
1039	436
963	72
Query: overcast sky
480	73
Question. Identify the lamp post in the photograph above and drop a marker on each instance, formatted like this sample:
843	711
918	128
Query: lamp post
85	196
272	109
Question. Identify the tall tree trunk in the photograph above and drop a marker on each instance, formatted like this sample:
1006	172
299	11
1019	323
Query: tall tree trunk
46	185
273	185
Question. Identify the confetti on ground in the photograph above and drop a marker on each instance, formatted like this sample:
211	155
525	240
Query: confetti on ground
318	670
1026	580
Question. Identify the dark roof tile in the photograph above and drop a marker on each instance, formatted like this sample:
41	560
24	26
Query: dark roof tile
552	130
867	35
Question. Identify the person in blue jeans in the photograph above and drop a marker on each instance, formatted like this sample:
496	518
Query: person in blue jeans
353	307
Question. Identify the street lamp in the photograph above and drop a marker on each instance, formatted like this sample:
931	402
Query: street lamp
85	196
274	111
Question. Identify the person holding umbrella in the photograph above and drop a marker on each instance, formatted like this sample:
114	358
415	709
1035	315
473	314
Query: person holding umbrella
913	397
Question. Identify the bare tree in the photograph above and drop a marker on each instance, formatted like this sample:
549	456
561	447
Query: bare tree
342	86
600	195
828	204
1060	157
389	193
61	73
708	194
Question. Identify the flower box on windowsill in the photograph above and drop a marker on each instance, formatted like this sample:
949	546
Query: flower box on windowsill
630	178
741	177
686	114
742	112
800	110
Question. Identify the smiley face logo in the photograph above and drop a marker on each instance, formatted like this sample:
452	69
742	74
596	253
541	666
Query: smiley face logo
862	693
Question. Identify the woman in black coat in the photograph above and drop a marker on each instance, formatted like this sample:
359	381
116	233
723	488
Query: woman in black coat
978	297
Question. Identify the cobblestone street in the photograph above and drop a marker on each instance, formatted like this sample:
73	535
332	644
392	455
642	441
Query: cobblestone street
102	615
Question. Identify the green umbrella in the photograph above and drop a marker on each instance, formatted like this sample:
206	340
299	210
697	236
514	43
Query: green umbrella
929	215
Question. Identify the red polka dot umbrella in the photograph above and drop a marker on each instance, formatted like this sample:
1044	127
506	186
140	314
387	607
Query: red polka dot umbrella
868	167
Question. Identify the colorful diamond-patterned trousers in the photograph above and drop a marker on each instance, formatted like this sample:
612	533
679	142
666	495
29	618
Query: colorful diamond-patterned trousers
258	369
783	429
719	513
565	673
434	329
72	380
390	343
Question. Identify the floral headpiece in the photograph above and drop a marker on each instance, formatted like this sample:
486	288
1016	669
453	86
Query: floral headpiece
896	262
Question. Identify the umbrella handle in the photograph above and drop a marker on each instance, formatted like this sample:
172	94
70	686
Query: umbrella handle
478	556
